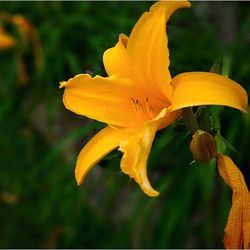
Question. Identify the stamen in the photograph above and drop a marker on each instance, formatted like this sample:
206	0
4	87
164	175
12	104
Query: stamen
135	106
132	100
149	109
152	111
140	110
141	113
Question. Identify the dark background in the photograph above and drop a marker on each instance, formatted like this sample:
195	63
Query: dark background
40	204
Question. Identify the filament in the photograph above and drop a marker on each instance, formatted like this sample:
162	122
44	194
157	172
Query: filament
135	107
140	110
150	109
141	113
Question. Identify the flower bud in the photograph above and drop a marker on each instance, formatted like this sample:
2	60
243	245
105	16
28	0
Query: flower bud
203	146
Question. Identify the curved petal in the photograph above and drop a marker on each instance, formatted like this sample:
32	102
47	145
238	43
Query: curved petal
202	88
113	100
147	47
136	150
169	118
115	59
237	231
146	56
97	148
104	99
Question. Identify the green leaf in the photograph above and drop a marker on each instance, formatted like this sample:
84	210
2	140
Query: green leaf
226	143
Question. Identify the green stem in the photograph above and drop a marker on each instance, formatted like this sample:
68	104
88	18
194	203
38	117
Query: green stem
190	120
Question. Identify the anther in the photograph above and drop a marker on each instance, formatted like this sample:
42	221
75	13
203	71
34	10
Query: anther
137	109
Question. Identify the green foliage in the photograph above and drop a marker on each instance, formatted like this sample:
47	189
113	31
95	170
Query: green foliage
40	204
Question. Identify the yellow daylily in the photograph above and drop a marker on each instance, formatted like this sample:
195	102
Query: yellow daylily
139	96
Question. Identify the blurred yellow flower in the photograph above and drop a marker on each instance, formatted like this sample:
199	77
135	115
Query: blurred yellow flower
26	38
26	28
6	41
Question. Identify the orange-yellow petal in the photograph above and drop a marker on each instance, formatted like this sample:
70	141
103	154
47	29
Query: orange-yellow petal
113	100
6	41
147	47
202	88
136	150
116	61
97	148
104	99
144	55
237	231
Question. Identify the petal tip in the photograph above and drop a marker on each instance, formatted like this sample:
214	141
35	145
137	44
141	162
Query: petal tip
79	178
63	84
153	193
147	189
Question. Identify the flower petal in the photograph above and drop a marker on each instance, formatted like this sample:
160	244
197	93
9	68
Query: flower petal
202	88
147	47
136	150
6	41
104	99
237	231
116	61
97	148
145	56
113	100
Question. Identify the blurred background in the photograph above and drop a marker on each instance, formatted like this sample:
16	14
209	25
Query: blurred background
40	204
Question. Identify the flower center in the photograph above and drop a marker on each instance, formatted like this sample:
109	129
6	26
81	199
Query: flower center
143	109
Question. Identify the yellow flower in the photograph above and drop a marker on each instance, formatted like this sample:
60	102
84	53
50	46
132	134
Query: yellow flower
140	97
6	41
